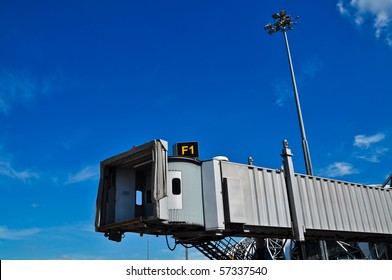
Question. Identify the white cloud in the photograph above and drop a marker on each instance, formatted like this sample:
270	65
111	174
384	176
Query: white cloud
311	67
373	155
282	91
342	9
34	205
378	12
20	88
283	88
15	88
9	234
363	141
24	175
338	169
369	148
86	174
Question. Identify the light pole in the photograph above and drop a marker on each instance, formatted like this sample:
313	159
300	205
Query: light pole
282	23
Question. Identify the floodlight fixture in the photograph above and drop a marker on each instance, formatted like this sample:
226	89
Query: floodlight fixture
282	22
268	26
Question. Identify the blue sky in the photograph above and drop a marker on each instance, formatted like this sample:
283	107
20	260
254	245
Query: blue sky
81	81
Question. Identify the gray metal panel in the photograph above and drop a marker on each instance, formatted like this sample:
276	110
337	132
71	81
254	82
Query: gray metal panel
191	211
271	197
125	194
342	206
212	196
256	196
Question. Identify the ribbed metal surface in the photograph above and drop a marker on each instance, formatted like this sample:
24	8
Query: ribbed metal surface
191	193
271	197
342	206
256	196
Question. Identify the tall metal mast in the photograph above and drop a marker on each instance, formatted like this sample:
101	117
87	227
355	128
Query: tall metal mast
282	23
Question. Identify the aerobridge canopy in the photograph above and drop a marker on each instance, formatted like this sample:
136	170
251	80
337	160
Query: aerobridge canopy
131	184
144	190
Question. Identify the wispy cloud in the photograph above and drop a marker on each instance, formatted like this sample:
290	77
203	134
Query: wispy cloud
378	12
6	169
338	169
282	91
20	88
364	141
9	234
369	147
311	67
373	156
86	174
283	88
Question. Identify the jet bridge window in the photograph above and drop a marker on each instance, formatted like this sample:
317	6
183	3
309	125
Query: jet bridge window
176	186
139	198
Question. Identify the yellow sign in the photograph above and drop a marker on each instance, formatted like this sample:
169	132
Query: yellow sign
188	149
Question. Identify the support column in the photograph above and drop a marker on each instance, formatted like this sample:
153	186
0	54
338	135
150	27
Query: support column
298	223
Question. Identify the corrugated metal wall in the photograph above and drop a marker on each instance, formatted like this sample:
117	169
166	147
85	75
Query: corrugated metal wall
256	196
191	192
342	206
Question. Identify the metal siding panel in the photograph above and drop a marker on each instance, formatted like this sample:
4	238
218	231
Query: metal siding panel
356	208
341	206
373	215
271	200
256	194
386	202
390	209
248	197
367	223
378	212
306	202
263	205
238	210
125	194
276	210
352	225
362	207
335	207
281	198
315	209
321	205
191	192
326	190
264	194
385	216
343	210
239	194
212	195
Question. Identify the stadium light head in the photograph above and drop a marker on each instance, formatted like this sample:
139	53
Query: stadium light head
268	26
272	31
282	23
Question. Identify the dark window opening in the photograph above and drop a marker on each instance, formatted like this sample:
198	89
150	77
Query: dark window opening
148	198
176	186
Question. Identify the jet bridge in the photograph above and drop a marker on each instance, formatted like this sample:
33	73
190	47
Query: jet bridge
145	191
